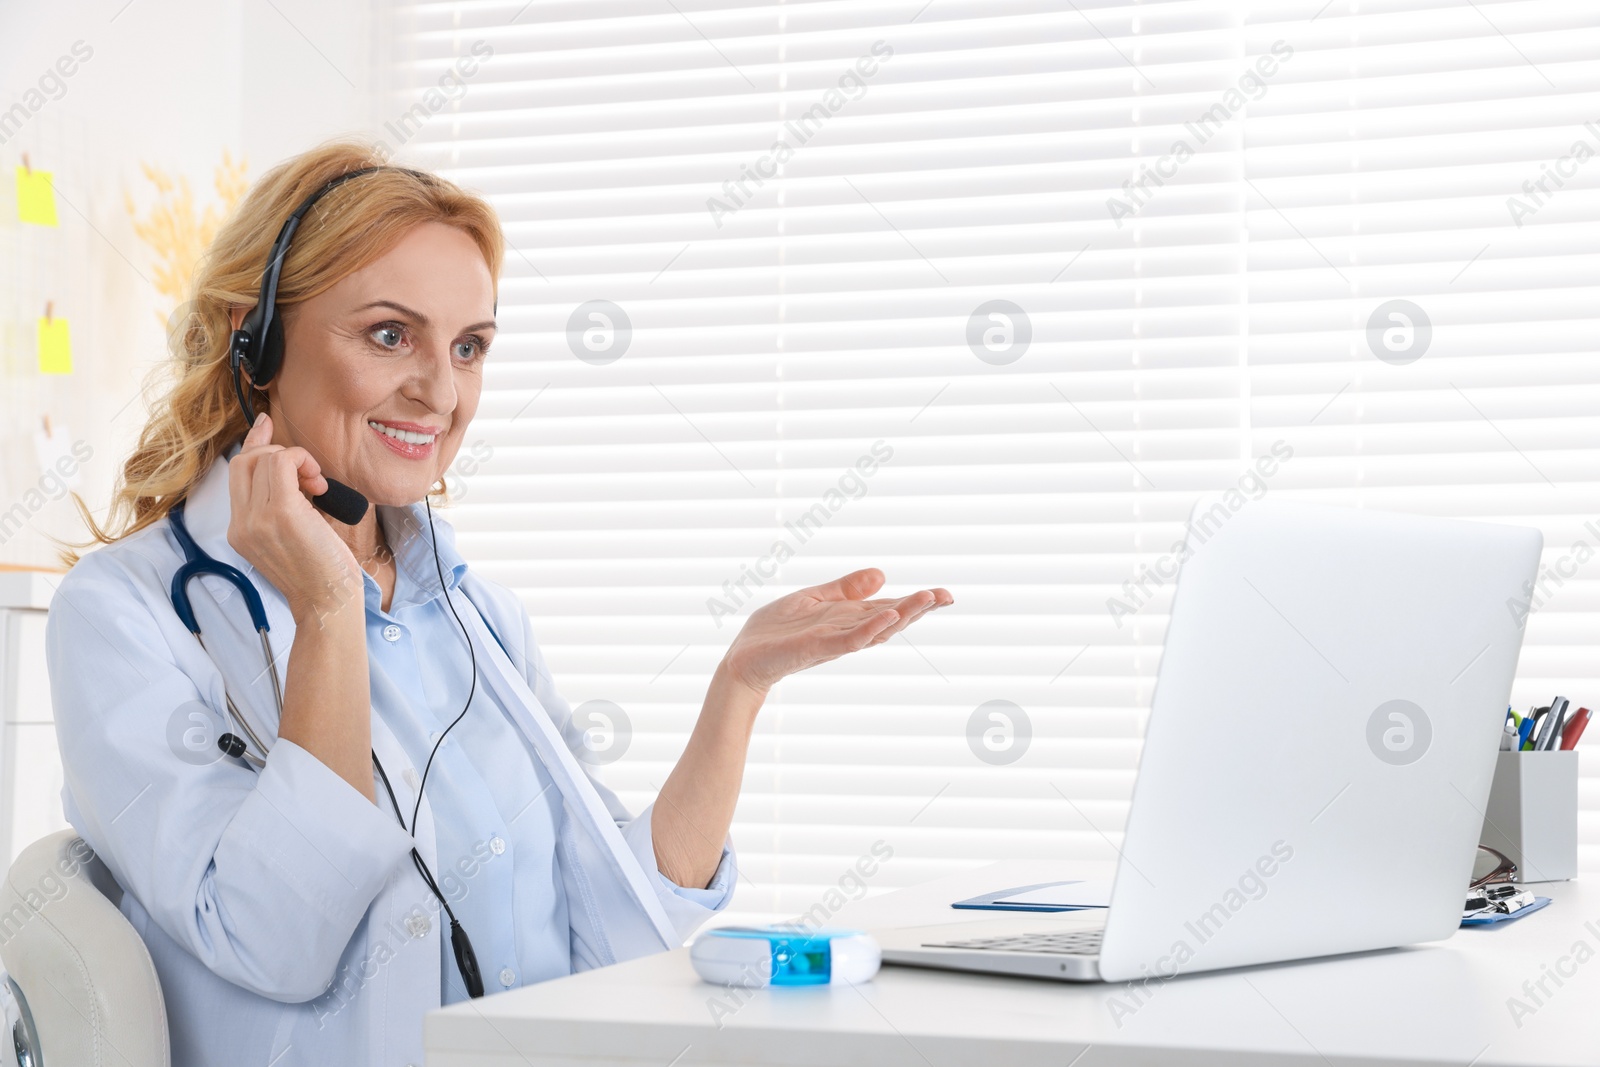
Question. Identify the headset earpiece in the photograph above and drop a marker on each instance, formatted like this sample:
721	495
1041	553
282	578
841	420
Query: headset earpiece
269	358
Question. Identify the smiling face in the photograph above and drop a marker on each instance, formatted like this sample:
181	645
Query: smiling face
382	373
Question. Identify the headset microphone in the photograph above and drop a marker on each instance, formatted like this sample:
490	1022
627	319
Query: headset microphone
342	502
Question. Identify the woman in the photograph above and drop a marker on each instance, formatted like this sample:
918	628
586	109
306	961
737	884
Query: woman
417	756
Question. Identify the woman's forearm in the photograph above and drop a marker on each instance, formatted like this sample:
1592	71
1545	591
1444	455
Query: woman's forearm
326	694
695	807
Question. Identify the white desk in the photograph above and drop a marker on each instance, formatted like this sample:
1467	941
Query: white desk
1444	1003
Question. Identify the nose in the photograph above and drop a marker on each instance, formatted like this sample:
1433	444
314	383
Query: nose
433	383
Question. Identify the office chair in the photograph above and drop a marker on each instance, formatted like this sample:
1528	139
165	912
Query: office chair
79	987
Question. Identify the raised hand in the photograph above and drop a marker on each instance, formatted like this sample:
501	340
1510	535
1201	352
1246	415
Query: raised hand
274	526
820	623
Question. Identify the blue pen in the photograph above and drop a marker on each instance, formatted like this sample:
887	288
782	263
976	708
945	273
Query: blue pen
1522	735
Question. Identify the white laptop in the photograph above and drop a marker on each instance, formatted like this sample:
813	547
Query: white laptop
1318	755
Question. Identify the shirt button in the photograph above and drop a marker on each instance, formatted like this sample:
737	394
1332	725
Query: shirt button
391	633
410	774
419	926
497	845
508	977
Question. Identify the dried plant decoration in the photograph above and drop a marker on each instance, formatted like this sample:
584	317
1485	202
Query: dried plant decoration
175	231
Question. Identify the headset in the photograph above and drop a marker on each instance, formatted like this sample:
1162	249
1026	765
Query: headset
256	349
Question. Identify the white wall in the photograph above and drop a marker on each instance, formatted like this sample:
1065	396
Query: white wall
170	83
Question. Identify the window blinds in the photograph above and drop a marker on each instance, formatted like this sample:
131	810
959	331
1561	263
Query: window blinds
986	295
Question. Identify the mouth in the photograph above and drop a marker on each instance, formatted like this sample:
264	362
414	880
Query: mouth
406	438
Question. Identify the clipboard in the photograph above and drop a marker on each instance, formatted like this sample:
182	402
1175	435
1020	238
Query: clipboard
1069	895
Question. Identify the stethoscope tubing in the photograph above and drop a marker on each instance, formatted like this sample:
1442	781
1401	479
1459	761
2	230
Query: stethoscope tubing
198	563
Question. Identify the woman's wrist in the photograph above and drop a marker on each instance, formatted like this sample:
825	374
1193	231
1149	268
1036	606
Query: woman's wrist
322	601
338	607
730	695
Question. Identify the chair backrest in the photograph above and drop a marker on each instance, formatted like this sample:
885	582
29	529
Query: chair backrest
78	974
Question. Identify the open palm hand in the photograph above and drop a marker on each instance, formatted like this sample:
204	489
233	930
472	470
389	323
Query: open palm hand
820	623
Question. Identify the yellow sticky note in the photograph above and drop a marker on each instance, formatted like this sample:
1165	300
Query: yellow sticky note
36	197
55	346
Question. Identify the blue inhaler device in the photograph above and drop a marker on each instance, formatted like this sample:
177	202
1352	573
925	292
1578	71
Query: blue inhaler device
759	956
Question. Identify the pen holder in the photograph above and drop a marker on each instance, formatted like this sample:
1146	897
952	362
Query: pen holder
1533	814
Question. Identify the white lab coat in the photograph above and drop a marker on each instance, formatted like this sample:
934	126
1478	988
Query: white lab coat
281	909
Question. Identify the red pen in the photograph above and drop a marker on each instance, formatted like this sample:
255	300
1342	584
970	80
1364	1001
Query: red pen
1574	730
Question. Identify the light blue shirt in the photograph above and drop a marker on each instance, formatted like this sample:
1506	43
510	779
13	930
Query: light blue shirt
496	846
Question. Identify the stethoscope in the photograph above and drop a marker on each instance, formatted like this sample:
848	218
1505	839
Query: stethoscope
199	562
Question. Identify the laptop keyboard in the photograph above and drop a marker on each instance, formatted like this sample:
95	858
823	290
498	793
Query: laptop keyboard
1063	943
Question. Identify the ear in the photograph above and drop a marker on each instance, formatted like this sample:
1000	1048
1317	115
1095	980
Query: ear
236	315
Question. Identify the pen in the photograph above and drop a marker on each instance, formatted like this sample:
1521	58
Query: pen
1522	734
1556	719
1574	730
1541	731
1541	724
1508	737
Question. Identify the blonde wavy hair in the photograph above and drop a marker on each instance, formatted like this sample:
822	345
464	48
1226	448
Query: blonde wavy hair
196	418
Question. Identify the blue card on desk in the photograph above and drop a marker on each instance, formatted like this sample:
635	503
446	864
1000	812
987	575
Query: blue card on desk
1045	896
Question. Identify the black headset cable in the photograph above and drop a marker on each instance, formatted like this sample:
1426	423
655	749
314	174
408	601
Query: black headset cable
466	958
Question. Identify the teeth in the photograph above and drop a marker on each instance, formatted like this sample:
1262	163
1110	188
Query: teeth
402	435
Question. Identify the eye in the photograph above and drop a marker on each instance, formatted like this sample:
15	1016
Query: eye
470	348
388	334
